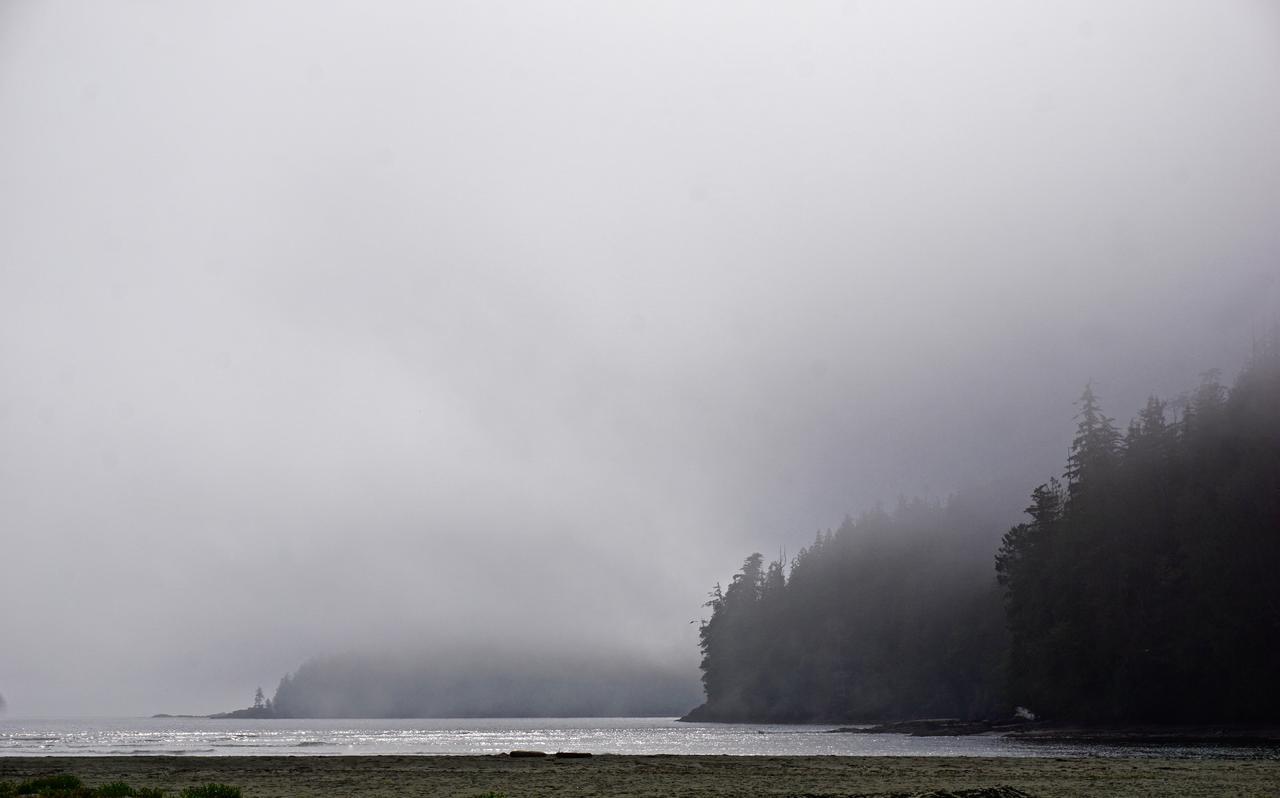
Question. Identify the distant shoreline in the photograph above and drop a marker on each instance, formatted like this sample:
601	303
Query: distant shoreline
237	715
1101	734
1027	731
1171	735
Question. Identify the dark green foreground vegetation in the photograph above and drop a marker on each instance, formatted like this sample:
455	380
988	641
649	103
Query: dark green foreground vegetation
1145	586
66	785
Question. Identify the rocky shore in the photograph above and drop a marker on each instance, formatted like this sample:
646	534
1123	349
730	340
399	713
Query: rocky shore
1033	731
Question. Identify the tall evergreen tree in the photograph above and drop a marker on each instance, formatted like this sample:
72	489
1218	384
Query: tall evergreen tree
1093	449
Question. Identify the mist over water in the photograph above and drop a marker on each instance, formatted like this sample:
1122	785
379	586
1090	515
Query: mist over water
425	329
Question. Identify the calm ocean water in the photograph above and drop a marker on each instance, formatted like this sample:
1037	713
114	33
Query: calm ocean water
202	737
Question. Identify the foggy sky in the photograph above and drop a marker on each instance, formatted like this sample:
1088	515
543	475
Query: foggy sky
327	325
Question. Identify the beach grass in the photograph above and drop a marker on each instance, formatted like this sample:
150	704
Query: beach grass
69	785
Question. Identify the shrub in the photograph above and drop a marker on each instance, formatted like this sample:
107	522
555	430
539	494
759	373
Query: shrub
116	789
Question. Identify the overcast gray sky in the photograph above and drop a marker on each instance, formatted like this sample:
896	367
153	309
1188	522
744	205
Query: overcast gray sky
338	324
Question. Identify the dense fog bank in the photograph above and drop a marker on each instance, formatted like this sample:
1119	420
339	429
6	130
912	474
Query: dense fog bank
487	683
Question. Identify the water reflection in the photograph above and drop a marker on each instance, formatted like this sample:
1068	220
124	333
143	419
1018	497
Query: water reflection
197	736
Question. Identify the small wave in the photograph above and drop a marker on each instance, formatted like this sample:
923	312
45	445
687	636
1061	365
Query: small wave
309	743
31	738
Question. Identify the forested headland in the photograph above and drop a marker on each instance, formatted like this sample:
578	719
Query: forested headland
1144	586
475	683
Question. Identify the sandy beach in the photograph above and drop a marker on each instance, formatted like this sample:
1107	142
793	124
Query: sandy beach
685	776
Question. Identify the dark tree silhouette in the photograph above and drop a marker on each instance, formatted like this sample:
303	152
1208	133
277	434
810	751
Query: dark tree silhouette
890	615
1152	594
1144	587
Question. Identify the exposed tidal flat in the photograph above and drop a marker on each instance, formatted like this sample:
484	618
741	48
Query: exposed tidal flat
686	776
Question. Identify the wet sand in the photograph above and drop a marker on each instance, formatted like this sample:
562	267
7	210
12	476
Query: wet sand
684	776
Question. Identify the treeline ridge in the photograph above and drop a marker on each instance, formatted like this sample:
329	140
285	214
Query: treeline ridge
1144	586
